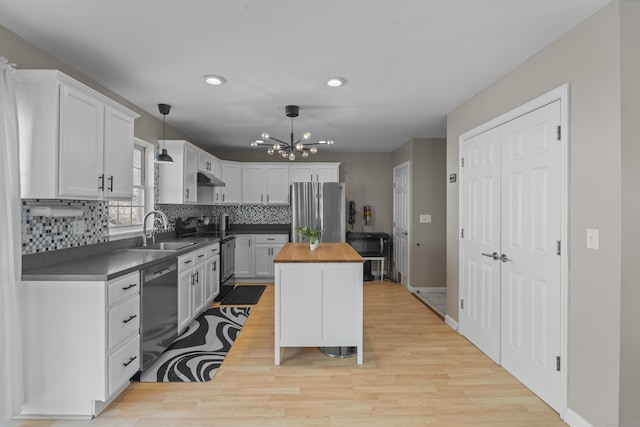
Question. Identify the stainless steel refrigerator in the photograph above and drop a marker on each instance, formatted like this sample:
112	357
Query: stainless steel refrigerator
320	205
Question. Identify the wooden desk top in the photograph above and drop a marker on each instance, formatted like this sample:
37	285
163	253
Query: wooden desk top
326	252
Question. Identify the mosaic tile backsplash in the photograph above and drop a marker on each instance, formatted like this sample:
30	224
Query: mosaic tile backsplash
245	214
40	234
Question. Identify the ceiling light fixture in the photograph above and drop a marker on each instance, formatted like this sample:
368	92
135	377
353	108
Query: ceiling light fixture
288	149
335	81
215	80
164	157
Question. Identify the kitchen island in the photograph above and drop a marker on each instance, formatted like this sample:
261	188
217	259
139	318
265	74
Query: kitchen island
318	297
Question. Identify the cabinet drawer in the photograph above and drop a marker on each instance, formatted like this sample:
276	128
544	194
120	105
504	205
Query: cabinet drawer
122	364
185	261
270	238
123	287
212	250
123	321
198	256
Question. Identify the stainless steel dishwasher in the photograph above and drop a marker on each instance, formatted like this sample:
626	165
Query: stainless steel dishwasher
159	314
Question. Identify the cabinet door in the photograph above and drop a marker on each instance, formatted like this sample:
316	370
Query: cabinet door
253	184
263	264
231	174
118	155
190	174
205	162
301	173
212	279
277	185
80	158
197	289
244	256
327	173
184	299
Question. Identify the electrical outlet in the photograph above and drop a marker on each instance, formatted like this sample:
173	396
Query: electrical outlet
425	219
78	227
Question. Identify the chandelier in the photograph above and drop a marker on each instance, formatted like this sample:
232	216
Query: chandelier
289	149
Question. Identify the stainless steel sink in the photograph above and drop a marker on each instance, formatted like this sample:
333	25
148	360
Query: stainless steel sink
165	246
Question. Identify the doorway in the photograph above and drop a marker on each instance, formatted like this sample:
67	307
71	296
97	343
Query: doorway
513	227
401	209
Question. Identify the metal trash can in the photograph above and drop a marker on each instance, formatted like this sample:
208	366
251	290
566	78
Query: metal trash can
340	352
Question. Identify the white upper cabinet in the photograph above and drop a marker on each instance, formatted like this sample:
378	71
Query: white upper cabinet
206	162
315	172
177	181
231	193
118	169
74	142
265	184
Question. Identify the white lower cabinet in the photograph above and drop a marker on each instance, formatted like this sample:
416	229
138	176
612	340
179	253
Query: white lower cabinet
84	344
255	253
244	256
266	247
191	287
211	273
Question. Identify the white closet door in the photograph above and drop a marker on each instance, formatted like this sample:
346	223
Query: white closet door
481	228
511	271
531	221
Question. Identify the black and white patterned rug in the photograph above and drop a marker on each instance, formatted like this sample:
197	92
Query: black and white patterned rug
198	352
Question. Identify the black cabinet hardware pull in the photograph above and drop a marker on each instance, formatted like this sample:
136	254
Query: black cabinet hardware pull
133	316
133	285
101	186
110	183
130	360
187	262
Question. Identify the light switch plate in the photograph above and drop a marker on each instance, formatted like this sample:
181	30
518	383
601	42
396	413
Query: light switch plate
425	219
592	238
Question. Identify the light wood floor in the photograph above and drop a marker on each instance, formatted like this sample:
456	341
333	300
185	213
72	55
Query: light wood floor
417	372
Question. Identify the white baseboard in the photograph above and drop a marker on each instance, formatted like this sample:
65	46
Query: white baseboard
575	420
452	323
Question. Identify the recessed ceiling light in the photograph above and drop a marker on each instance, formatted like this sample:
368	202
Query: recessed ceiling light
335	81
215	80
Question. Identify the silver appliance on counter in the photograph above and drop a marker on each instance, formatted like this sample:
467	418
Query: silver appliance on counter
159	310
319	205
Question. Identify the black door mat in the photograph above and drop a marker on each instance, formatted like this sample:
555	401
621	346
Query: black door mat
244	295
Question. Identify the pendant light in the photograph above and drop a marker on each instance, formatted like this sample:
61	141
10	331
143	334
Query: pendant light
164	157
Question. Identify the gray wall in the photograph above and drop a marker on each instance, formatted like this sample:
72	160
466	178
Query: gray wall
588	58
427	157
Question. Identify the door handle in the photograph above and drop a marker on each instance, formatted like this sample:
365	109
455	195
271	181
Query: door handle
493	255
504	258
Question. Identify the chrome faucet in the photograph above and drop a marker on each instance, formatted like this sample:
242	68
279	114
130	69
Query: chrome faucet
152	234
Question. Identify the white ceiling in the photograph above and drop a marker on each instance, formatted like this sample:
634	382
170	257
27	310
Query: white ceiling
408	62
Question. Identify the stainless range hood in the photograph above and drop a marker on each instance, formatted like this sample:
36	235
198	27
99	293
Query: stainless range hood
206	179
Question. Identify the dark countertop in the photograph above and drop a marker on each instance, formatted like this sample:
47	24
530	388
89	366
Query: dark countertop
109	265
106	261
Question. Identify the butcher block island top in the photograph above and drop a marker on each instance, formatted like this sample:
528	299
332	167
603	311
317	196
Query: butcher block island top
326	252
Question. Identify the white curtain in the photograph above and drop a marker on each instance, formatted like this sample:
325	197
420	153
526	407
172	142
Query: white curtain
10	250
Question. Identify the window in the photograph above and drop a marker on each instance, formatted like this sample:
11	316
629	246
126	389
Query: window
130	213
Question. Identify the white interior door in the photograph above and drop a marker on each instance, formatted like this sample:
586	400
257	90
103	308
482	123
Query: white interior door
531	231
511	270
401	221
481	228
